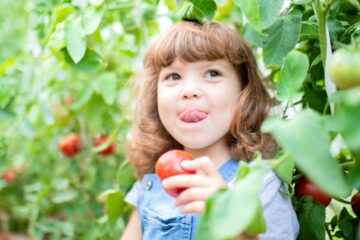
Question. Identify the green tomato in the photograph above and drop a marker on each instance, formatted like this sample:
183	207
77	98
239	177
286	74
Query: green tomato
344	68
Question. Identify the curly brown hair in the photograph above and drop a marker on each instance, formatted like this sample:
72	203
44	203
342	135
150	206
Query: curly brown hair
191	41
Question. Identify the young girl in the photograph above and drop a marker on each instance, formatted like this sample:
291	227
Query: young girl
201	93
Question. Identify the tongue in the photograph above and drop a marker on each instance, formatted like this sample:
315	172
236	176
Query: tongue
192	116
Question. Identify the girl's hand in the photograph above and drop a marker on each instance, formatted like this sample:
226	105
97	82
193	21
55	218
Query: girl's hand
199	186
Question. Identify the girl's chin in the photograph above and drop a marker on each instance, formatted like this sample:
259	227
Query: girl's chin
193	144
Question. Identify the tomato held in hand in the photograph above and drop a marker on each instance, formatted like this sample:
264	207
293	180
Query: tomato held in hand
101	140
355	204
168	165
70	145
304	187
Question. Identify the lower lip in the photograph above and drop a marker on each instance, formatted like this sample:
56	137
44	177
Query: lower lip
193	123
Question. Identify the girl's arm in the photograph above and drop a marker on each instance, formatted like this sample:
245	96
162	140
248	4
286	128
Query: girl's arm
132	230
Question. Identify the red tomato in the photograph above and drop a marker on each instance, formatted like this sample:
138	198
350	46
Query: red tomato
70	144
304	187
107	151
355	203
9	176
168	165
69	100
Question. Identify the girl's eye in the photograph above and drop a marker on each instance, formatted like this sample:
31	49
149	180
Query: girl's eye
172	77
212	73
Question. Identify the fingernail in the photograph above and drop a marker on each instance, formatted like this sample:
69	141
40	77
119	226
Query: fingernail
164	182
186	163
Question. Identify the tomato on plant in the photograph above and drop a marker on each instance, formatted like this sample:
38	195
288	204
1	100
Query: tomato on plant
101	140
355	203
305	187
168	165
344	68
69	100
70	145
9	176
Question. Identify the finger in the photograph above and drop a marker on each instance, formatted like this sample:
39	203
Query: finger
186	181
194	207
194	194
203	164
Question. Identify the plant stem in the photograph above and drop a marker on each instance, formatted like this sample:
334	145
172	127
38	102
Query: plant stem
321	18
328	5
328	231
347	164
342	200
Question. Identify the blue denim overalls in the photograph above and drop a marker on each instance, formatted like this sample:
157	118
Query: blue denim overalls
160	220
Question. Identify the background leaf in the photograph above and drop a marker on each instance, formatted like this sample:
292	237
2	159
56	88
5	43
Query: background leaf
301	136
292	75
281	38
75	39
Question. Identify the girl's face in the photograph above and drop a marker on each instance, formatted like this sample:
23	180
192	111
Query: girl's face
196	101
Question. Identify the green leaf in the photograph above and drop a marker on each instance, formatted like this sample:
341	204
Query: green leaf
6	115
91	62
252	36
312	221
115	203
106	86
347	116
281	38
309	30
292	76
57	38
315	98
91	20
47	112
75	40
283	166
348	225
83	98
125	177
258	224
269	11
206	7
354	177
190	12
243	207
251	9
300	2
59	15
308	143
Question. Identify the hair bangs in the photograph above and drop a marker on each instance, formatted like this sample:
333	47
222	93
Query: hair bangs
190	42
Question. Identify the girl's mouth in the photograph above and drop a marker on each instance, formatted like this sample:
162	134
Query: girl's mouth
192	115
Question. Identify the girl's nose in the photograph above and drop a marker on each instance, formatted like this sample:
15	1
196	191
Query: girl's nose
190	91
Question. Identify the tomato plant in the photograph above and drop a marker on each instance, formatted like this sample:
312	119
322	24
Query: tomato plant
304	187
109	149
169	164
70	144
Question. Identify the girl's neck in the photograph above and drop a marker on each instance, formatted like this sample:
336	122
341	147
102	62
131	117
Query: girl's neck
219	153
